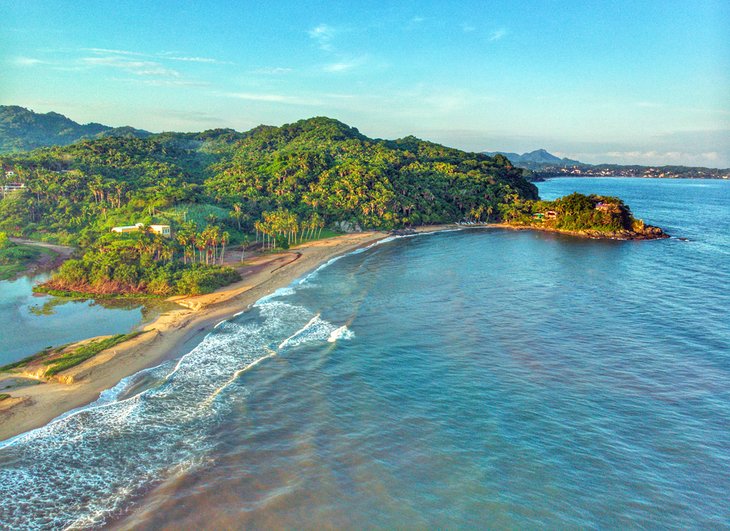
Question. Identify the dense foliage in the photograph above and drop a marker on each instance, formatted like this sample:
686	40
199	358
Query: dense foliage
574	212
23	130
283	184
145	263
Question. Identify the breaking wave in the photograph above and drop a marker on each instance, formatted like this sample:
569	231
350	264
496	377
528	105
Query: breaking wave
77	472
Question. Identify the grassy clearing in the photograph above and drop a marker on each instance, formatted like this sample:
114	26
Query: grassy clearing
84	352
15	259
25	361
4	396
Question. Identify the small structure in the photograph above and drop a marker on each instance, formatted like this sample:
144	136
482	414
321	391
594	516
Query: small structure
538	216
11	187
163	230
9	173
551	214
128	228
607	207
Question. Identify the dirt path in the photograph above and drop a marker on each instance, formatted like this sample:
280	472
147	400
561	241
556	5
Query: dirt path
46	261
63	250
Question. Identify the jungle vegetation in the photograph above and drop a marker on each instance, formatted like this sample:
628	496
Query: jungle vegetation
275	185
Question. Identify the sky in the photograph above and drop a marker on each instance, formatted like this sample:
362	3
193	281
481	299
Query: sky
620	81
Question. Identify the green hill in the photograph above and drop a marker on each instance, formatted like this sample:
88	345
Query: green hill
23	130
275	184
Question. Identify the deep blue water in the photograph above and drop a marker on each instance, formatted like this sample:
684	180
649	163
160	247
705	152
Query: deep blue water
480	378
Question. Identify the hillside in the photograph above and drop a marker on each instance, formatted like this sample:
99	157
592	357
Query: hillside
543	165
23	130
534	159
273	184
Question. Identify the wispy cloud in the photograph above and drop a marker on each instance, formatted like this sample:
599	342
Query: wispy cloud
273	70
344	65
323	35
648	104
497	35
28	61
274	98
208	60
139	68
467	28
171	56
174	83
114	51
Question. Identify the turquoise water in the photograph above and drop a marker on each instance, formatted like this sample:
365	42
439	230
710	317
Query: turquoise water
29	323
481	378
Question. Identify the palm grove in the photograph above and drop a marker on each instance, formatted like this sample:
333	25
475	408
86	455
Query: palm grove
275	185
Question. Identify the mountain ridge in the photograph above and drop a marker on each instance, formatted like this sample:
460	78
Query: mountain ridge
540	165
22	129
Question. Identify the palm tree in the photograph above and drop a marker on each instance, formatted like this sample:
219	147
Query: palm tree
225	238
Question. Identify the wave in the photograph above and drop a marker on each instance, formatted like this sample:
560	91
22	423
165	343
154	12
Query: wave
77	470
340	333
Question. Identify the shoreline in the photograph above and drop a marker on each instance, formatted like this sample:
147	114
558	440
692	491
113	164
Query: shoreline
178	331
588	235
173	333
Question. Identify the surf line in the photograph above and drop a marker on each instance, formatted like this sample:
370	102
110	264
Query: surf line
235	375
295	334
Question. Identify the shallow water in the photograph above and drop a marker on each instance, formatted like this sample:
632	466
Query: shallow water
486	378
29	322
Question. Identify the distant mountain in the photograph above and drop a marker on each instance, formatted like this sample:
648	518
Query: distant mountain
23	130
543	165
534	159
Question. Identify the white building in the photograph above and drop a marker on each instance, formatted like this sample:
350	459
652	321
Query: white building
164	230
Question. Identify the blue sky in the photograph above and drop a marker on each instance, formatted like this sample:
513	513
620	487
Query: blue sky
612	81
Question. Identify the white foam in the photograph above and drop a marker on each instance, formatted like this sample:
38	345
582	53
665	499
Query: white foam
340	333
81	467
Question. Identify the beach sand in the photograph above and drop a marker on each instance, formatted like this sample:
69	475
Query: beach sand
172	333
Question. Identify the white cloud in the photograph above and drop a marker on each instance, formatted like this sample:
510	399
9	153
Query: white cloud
339	67
274	98
28	61
498	34
208	60
323	35
112	51
273	70
467	28
174	83
139	68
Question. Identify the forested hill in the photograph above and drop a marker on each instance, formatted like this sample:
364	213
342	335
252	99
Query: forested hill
317	168
23	130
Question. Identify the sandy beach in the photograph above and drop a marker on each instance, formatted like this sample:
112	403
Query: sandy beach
171	334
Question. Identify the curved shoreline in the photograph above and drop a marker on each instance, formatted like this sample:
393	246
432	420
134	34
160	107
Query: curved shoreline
178	331
173	333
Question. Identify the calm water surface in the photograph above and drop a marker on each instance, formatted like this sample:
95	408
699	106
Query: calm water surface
486	378
29	323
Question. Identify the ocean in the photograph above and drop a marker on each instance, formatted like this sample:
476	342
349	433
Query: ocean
483	378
